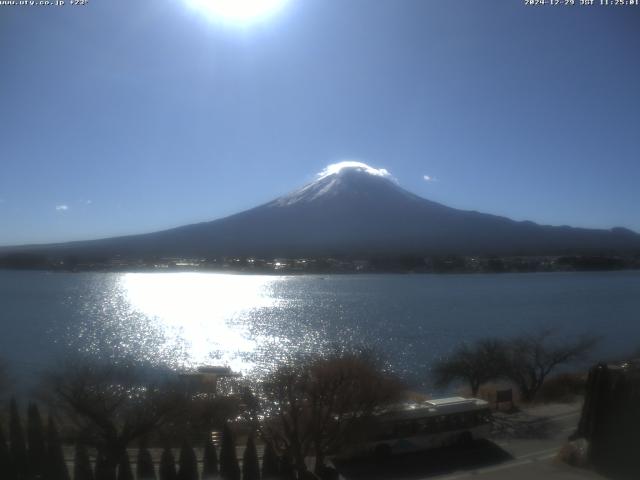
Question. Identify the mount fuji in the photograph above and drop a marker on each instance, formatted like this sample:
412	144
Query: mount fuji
354	209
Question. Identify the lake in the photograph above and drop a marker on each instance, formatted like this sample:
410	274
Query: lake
249	321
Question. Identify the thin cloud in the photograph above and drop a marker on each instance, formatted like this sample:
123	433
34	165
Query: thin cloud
350	164
336	168
429	178
62	208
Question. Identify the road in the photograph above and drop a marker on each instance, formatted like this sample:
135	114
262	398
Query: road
523	446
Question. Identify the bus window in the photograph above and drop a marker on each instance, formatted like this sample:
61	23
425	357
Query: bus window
425	425
440	423
454	421
385	431
404	429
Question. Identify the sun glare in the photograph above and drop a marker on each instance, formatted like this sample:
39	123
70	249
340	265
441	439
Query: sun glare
236	11
204	310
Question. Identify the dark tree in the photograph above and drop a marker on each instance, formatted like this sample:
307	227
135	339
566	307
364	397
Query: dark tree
206	413
474	364
270	470
56	466
145	469
103	470
5	380
188	463
114	404
531	358
287	472
82	464
317	404
17	447
209	460
167	465
250	464
124	468
229	468
36	452
5	459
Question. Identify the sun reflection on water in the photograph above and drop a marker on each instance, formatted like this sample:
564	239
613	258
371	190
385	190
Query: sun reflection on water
203	310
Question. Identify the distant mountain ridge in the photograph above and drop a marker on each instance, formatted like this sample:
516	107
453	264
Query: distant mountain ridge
353	209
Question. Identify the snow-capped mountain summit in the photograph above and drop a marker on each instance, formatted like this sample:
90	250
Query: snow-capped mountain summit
354	209
351	179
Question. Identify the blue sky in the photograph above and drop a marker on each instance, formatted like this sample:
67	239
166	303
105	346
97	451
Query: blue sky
123	117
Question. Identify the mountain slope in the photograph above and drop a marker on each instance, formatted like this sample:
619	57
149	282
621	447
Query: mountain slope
357	210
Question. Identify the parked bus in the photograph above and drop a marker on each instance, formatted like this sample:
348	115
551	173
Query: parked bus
421	426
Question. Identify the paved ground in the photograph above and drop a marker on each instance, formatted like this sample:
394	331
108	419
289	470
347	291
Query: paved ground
523	446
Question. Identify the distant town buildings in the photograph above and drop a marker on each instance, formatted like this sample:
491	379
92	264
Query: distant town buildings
329	264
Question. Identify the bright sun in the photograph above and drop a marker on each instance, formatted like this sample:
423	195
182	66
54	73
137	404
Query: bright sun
236	11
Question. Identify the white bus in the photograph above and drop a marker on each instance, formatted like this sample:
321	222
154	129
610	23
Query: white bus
419	426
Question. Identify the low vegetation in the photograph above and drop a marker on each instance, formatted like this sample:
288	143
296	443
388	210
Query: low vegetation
111	406
111	413
563	388
309	406
312	406
474	364
526	361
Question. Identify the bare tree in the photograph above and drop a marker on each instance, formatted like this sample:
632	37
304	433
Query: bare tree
314	405
531	358
346	390
474	364
279	402
111	404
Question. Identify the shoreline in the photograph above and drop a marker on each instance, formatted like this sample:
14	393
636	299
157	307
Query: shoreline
289	273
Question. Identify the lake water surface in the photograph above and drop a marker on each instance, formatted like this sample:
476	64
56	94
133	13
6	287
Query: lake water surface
248	321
